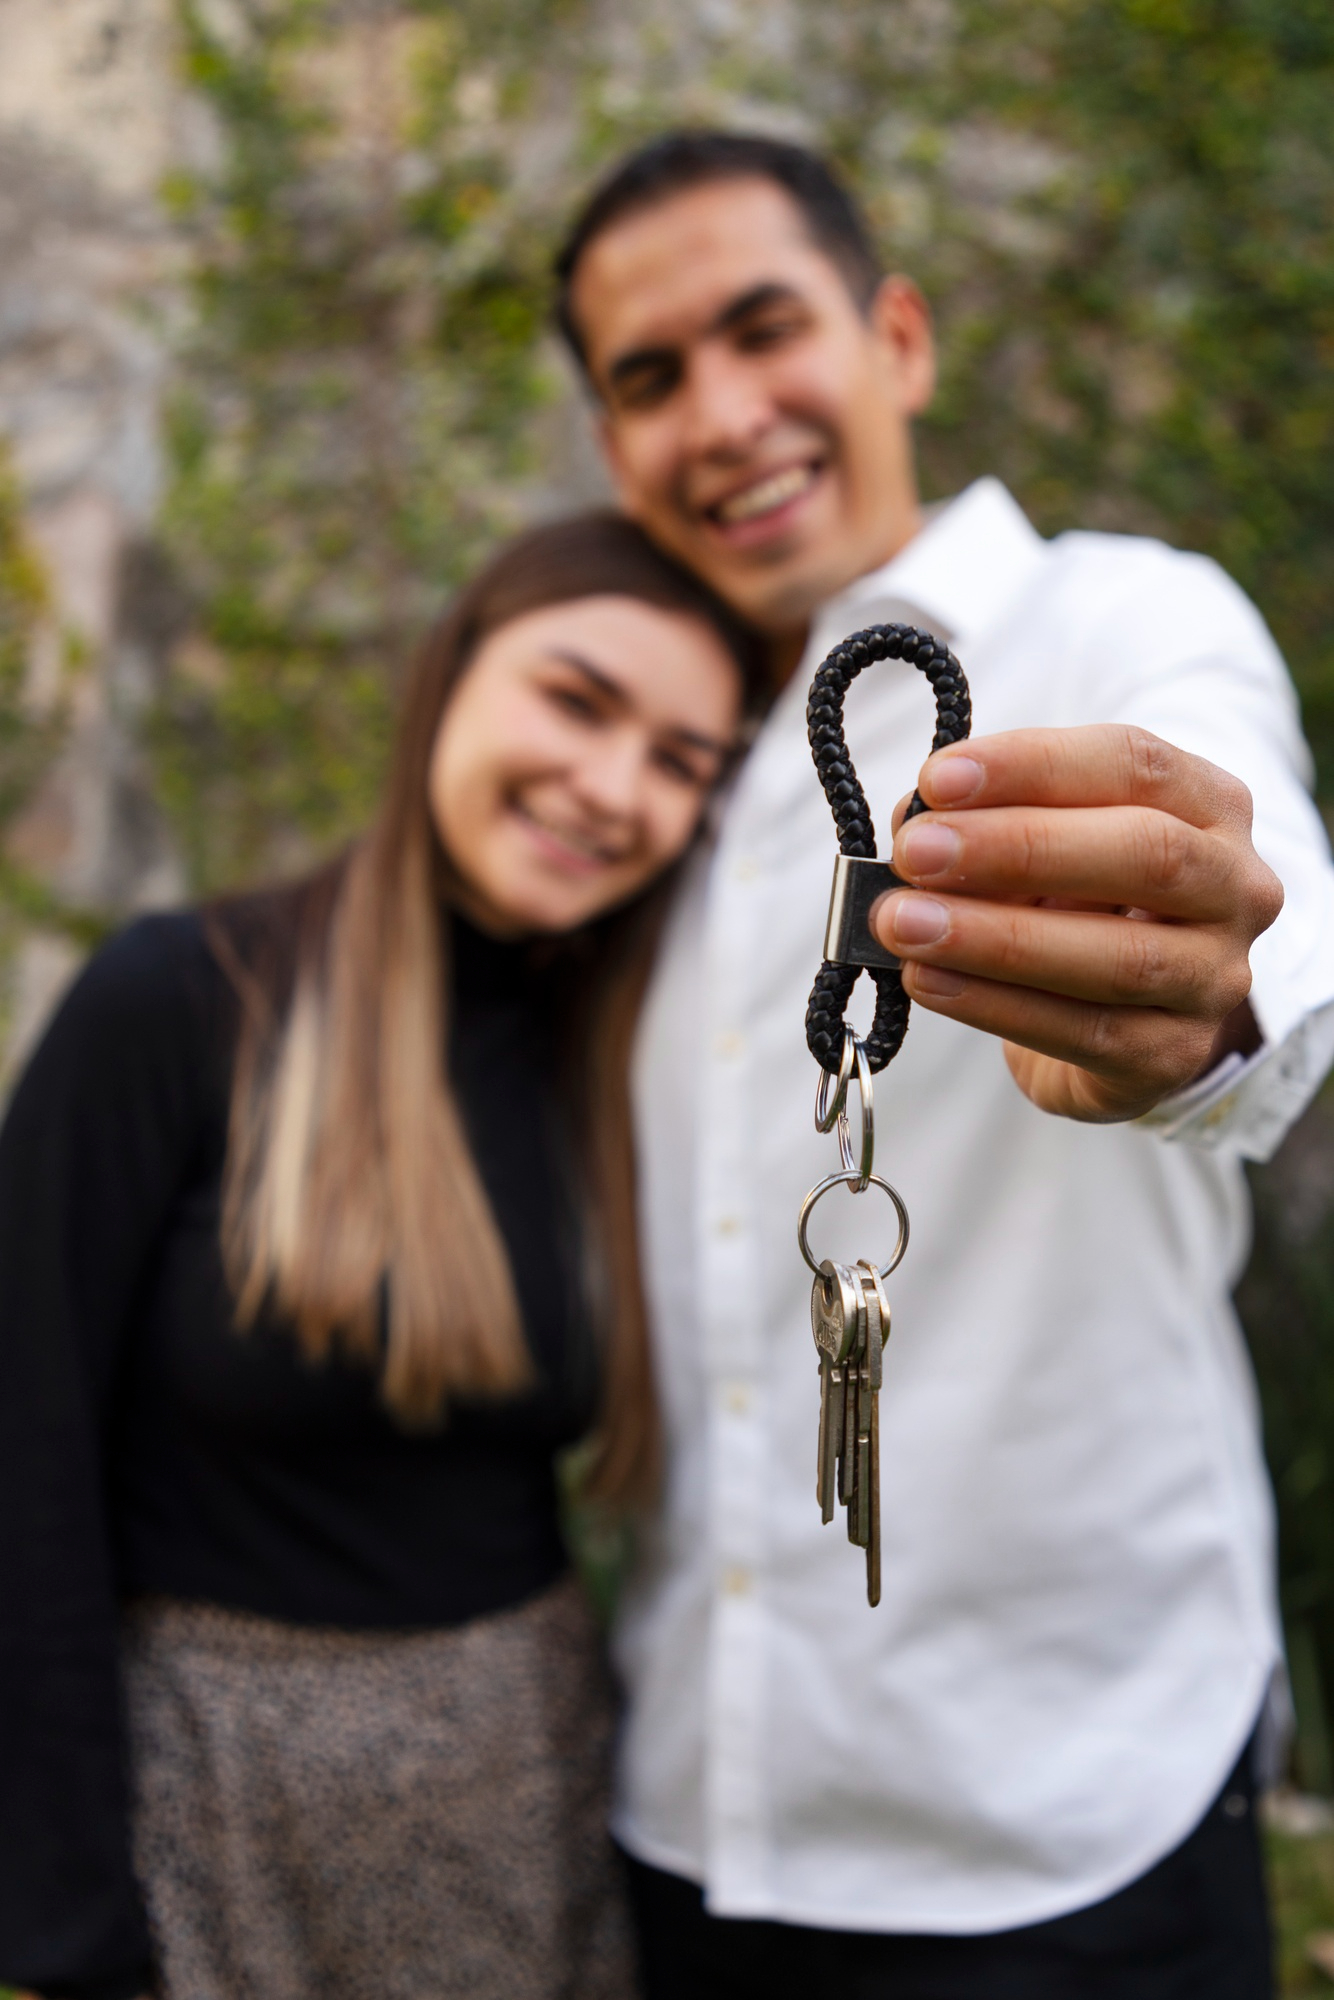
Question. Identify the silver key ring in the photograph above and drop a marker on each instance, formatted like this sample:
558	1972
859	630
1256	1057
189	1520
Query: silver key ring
845	1153
850	1178
825	1112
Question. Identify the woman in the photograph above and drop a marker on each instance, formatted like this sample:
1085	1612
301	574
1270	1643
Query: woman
311	1205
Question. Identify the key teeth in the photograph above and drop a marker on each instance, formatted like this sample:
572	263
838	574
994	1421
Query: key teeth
848	1448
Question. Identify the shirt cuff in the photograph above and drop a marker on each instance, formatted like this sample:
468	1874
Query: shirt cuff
1246	1104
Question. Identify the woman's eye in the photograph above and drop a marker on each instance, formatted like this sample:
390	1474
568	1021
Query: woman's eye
685	770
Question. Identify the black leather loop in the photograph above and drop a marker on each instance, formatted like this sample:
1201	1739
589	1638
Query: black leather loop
852	816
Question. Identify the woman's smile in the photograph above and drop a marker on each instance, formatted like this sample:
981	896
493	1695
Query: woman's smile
568	842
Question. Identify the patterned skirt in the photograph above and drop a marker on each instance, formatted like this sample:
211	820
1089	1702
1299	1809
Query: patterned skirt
376	1815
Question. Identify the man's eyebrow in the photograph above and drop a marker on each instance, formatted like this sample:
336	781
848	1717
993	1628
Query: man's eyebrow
696	738
771	292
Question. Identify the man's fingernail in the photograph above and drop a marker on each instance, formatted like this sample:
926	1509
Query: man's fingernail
927	849
954	778
917	920
938	980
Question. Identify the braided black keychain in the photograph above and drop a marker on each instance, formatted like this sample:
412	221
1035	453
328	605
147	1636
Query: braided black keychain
849	945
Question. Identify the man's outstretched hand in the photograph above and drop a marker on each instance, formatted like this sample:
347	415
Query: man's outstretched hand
1090	896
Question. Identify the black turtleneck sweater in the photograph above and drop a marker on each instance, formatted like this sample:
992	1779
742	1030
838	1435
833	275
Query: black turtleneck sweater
148	1447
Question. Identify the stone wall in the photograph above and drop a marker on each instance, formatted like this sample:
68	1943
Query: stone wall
88	121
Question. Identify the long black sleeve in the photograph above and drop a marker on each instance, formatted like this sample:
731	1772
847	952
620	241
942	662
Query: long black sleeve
147	1447
97	1142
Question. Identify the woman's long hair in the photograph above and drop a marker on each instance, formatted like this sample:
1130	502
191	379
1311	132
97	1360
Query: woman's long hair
352	1206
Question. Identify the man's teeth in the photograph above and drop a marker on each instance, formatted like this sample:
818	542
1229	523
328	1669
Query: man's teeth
767	494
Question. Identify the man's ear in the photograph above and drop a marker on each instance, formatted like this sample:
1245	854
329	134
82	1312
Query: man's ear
901	322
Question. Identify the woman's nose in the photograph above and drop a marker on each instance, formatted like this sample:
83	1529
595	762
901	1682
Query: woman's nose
610	779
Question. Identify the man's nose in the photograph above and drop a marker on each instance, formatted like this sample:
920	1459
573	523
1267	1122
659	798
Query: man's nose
728	408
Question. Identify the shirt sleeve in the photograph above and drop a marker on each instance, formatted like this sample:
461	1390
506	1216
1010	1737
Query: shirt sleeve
1195	663
97	1142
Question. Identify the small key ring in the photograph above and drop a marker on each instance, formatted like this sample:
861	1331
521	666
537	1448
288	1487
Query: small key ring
825	1112
848	1179
864	1086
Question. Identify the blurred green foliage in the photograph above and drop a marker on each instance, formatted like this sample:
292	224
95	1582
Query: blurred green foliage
1123	211
23	599
351	394
1287	1302
33	718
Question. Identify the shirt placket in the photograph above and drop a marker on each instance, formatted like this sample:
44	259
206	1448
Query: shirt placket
735	1806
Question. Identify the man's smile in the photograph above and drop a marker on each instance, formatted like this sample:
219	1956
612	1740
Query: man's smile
766	503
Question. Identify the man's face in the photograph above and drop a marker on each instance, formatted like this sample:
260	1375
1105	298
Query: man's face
755	420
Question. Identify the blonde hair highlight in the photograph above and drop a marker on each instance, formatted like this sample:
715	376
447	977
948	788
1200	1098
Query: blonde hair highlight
352	1205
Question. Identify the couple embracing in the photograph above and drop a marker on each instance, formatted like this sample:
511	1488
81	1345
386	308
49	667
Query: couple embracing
331	1214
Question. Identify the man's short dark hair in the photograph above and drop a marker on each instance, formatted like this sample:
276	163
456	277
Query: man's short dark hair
678	160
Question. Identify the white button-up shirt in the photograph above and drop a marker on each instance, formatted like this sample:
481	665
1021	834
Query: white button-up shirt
1078	1624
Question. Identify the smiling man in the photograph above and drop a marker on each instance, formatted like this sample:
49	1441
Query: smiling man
1029	1771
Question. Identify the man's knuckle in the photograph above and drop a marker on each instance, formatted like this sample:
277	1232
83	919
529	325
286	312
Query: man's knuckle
1151	760
1102	1034
1143	965
1234	985
1032	849
1266	896
1235	802
1167	858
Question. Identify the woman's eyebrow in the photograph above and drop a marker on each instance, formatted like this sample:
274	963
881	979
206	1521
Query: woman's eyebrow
608	684
679	732
699	741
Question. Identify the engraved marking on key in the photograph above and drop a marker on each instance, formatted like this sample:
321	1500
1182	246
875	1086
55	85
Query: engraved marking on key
835	1298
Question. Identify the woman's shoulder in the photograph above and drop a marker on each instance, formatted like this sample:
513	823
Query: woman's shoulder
154	968
152	1001
173	964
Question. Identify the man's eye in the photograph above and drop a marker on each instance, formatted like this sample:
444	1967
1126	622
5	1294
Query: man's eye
644	391
769	332
573	701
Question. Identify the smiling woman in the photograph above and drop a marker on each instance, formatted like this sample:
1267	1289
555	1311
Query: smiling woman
574	757
316	1244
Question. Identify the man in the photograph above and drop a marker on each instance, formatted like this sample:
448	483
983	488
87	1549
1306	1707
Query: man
1027	1771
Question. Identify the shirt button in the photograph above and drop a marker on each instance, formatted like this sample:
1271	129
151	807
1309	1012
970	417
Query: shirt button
729	1044
737	1399
736	1581
727	1225
747	868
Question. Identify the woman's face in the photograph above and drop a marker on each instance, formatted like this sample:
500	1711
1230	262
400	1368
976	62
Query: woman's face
575	755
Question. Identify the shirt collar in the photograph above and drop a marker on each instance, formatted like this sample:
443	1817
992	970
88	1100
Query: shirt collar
974	558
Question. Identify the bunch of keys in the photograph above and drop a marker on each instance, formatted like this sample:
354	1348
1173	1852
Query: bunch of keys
849	1312
850	1321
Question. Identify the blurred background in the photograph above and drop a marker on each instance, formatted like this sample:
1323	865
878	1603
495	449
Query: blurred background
275	370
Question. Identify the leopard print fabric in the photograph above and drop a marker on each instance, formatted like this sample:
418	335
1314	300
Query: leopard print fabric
376	1815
